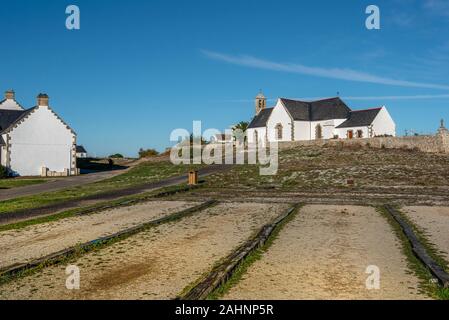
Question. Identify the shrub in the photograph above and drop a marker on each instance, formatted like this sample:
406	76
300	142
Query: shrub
147	153
116	156
3	172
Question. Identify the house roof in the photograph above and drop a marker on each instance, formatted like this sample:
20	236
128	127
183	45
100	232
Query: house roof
326	109
80	149
261	119
9	118
360	118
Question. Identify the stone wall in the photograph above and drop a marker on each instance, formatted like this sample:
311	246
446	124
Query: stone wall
438	143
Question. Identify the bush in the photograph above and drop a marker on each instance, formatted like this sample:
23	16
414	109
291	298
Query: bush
147	153
3	172
116	156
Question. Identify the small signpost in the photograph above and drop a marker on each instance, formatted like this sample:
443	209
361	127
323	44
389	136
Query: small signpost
193	178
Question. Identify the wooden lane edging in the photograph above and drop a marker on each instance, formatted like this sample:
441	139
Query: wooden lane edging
60	256
223	272
418	249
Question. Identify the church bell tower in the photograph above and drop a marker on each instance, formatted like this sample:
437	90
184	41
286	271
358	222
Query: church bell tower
261	103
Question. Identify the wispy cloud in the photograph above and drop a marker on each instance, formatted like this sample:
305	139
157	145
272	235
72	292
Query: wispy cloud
332	73
356	98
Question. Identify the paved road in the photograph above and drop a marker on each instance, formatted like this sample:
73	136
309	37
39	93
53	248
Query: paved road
57	184
25	214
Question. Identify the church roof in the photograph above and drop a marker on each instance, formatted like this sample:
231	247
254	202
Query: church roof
9	118
327	109
360	118
261	119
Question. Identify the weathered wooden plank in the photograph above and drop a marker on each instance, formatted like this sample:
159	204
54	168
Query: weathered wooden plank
225	270
418	249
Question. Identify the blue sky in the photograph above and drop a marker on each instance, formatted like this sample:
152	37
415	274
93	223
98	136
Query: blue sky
136	70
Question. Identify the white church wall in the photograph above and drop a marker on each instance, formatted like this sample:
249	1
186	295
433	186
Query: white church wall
42	140
261	134
383	124
343	132
302	131
279	116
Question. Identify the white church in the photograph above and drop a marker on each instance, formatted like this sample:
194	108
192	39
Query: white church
294	120
35	141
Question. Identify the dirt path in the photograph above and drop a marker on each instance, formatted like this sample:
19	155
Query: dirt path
23	245
155	264
434	221
58	184
323	254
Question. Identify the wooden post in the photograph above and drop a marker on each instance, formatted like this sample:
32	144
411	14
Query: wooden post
193	178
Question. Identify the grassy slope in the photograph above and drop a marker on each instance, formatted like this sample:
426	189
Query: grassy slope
307	168
143	173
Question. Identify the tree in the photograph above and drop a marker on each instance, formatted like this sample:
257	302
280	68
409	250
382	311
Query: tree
116	156
242	125
147	153
3	172
240	129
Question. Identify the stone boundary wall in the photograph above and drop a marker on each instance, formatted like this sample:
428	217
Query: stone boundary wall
438	143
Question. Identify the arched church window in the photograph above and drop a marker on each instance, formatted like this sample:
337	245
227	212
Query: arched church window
279	131
318	132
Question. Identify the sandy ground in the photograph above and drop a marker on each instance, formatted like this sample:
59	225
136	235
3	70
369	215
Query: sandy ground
155	264
434	221
323	254
23	245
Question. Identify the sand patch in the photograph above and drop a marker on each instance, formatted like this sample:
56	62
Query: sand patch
23	245
323	253
155	264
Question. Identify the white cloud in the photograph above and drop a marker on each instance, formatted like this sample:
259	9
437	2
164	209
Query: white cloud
332	73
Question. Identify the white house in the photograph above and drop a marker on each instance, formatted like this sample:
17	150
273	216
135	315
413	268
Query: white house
293	120
81	152
221	138
35	141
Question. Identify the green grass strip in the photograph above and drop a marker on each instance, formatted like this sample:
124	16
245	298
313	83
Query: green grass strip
100	207
74	253
250	259
427	282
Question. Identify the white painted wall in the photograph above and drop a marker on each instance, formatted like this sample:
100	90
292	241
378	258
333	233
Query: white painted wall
261	135
3	152
302	130
42	140
279	115
384	124
10	104
343	132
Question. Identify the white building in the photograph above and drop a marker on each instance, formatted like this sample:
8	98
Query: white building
35	141
292	120
81	152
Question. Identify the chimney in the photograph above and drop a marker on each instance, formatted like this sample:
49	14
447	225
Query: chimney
42	99
9	94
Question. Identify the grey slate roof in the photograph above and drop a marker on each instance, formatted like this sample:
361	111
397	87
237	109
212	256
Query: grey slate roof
8	118
261	119
80	149
327	109
360	118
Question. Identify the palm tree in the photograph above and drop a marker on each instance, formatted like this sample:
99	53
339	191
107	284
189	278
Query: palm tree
241	128
242	125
